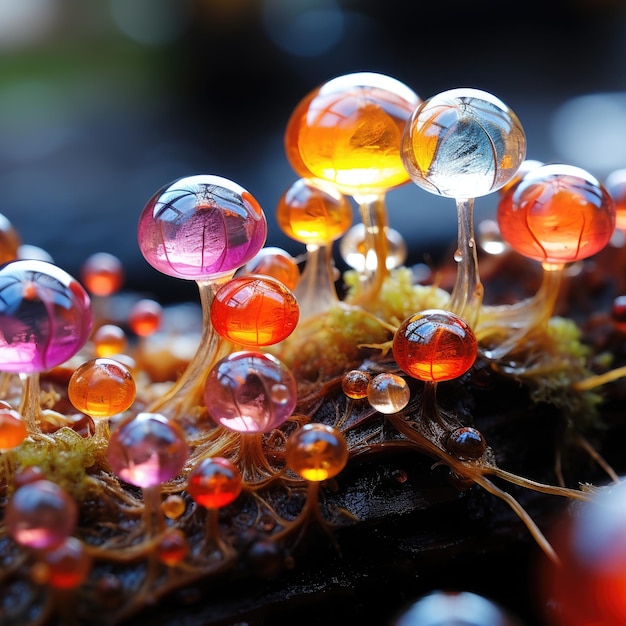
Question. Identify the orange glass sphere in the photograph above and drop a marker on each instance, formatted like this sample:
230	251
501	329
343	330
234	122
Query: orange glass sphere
68	565
214	482
102	274
101	387
316	452
557	214
313	213
348	132
173	506
12	429
277	263
173	547
253	310
145	317
109	339
615	184
434	345
355	383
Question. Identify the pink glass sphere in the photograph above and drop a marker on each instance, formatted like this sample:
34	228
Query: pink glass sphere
250	392
200	228
147	450
41	515
557	214
45	316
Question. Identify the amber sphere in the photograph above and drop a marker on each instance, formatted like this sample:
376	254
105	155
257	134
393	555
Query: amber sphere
348	132
313	213
557	214
109	339
434	345
145	316
102	274
214	482
355	383
277	263
253	310
316	452
101	387
12	429
68	565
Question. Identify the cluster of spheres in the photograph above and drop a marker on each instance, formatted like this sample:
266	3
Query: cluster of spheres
357	136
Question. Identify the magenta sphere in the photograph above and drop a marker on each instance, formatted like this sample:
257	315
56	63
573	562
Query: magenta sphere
250	392
147	450
45	316
41	515
201	228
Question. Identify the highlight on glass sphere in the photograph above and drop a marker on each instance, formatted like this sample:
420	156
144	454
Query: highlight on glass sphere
557	214
40	515
201	227
147	450
45	316
214	482
254	311
348	131
434	345
388	393
250	392
275	262
102	274
463	143
316	452
102	387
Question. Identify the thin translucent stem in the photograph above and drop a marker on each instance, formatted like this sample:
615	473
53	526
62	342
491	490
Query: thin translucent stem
315	290
187	392
509	326
30	407
151	510
467	293
373	211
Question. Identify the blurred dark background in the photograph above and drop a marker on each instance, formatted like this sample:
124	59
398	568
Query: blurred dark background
103	102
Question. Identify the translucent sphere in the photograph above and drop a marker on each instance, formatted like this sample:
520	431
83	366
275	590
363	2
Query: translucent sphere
463	143
589	585
455	608
68	565
102	274
434	345
618	313
250	392
102	387
109	339
147	450
40	514
254	311
353	251
354	384
348	132
466	443
388	393
277	263
313	213
145	316
172	547
201	228
316	452
173	506
214	482
45	316
12	429
557	214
